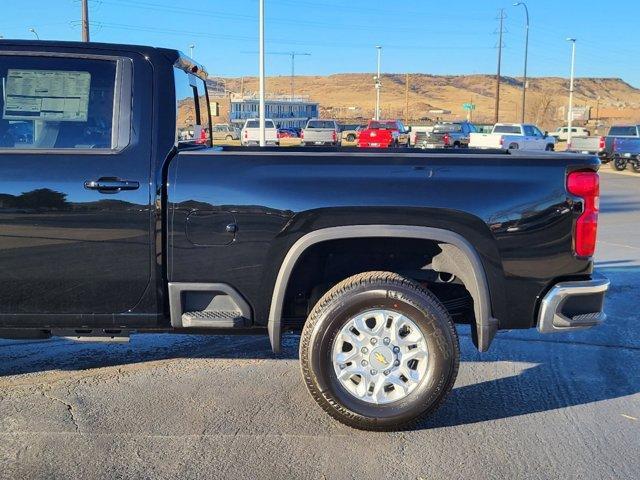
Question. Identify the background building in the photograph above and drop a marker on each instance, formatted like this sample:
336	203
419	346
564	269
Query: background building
284	110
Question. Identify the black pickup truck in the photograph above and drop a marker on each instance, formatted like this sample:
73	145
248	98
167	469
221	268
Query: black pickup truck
117	216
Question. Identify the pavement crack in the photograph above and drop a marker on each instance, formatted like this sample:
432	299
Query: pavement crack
68	406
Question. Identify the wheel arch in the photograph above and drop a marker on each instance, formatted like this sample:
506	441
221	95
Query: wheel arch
458	257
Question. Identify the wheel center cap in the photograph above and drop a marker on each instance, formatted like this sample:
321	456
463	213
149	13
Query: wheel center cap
381	357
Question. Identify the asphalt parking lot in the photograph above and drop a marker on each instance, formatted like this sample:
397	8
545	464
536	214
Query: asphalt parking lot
564	406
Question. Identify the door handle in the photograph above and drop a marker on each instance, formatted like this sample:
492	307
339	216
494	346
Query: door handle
111	185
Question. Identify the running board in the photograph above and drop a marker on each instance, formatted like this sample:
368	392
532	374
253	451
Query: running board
100	335
207	305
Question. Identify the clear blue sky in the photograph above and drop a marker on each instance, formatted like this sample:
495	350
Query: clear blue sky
439	37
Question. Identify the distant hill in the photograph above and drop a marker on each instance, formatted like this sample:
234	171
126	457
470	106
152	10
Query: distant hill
351	95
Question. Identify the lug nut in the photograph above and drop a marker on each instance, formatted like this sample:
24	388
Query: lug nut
387	340
396	349
396	363
386	372
364	350
364	363
374	372
374	341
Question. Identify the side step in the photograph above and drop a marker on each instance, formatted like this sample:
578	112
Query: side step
207	305
221	319
100	335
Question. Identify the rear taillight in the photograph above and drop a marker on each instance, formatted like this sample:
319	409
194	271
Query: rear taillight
586	185
334	135
501	141
246	134
446	139
601	144
302	134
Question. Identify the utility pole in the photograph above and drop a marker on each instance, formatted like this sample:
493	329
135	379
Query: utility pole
406	99
497	106
526	52
378	85
261	107
85	20
570	112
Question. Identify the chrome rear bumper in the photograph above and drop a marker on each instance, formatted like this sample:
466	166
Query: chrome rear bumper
573	305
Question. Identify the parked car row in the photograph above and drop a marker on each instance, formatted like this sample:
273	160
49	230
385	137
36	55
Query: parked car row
620	145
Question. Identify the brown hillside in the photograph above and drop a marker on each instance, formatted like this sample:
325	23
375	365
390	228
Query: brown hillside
339	94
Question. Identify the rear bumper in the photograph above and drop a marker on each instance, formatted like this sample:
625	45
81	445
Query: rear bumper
573	305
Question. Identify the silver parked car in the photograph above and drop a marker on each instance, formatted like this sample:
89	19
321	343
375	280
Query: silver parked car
446	135
320	132
224	131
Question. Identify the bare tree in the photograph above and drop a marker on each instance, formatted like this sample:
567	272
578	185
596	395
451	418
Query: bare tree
543	110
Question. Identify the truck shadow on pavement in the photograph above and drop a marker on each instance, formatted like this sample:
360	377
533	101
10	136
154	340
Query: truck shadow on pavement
526	373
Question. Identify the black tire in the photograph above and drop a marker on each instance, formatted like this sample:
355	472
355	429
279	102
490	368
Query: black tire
635	165
360	293
513	146
549	147
351	138
619	163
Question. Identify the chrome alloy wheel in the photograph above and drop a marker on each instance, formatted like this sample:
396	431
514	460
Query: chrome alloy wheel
380	356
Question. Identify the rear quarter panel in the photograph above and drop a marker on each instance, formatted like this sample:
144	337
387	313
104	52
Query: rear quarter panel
512	208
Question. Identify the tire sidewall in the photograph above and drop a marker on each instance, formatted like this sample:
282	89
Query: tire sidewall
441	344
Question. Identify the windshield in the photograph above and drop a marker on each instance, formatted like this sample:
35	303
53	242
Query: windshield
320	124
447	128
383	125
256	124
515	129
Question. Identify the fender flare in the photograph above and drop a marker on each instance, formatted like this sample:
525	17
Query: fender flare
459	256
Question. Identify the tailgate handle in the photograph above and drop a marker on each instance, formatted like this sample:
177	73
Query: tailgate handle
111	185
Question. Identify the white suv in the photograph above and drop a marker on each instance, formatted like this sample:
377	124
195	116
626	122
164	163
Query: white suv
250	134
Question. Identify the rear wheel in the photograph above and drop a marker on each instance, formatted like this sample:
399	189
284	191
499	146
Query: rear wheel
619	163
351	138
549	147
636	166
513	146
379	352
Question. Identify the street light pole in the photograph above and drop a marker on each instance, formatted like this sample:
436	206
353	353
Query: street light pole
191	47
33	30
261	108
570	112
378	85
526	52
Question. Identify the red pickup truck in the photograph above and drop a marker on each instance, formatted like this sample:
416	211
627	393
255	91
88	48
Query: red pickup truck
384	134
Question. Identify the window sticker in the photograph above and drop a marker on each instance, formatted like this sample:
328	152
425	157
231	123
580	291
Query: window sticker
50	95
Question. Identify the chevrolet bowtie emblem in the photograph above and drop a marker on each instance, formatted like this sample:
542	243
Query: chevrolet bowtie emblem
381	358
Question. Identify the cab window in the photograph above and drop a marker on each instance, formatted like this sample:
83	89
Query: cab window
192	111
58	103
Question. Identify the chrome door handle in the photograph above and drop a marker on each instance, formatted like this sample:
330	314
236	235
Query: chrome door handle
111	185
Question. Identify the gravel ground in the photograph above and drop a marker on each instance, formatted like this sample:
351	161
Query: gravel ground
162	406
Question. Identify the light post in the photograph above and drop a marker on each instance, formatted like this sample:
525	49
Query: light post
191	47
570	112
378	85
526	52
261	107
33	30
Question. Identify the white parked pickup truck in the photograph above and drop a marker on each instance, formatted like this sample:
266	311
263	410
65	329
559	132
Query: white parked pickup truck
513	136
250	134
